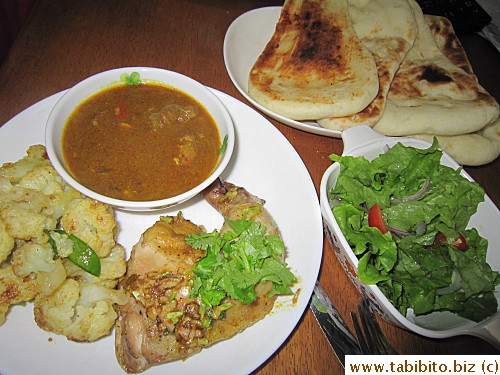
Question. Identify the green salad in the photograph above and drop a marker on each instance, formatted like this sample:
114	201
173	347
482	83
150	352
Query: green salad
405	217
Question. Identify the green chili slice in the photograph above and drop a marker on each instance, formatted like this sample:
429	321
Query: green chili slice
83	255
223	146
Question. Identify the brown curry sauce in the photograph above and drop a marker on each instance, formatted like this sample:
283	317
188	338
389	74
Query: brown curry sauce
141	142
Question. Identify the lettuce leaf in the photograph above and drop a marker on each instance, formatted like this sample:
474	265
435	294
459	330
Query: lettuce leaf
410	272
235	262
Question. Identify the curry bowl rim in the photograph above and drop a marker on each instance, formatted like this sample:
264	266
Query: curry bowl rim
91	85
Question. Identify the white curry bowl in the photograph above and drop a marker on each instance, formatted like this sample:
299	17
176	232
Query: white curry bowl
364	141
96	83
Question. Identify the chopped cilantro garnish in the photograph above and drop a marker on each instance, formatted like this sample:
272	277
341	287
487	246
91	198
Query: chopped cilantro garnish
131	79
235	262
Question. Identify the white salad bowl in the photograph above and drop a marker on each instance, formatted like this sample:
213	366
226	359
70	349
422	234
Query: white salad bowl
364	141
96	83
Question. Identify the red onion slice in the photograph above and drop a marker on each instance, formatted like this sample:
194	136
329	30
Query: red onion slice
415	196
398	232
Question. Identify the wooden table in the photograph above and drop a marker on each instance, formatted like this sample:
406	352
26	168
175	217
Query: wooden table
64	42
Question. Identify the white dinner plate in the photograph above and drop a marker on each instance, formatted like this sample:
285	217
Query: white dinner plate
245	40
267	166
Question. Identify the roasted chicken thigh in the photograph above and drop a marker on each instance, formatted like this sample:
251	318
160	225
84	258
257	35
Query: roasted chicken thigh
162	321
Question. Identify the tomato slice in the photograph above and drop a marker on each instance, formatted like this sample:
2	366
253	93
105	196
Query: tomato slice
121	110
376	219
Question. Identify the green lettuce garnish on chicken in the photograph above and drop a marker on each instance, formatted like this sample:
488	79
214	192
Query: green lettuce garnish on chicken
405	217
236	261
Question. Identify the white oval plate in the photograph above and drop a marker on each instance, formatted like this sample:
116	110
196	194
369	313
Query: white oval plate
245	40
267	165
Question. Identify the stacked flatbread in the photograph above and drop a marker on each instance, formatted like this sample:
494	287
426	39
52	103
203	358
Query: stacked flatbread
424	85
460	125
388	29
314	66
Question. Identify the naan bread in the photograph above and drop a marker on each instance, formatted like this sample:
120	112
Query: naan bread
477	148
482	146
431	95
314	66
387	28
447	41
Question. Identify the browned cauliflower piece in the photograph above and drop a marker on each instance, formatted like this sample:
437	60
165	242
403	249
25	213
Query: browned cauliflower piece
6	242
25	212
46	180
82	312
26	207
14	290
34	203
93	222
36	260
33	196
24	224
36	155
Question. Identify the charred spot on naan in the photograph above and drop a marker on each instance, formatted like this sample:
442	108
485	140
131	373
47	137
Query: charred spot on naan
415	81
434	75
319	50
316	45
314	66
447	41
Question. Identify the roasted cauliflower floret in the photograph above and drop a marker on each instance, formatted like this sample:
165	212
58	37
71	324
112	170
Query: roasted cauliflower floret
6	242
25	212
24	198
35	156
24	223
35	203
82	312
93	222
46	180
14	289
36	260
33	257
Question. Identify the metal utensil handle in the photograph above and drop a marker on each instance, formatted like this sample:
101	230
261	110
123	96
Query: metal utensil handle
338	341
333	312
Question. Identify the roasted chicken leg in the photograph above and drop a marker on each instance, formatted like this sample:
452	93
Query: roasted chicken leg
162	322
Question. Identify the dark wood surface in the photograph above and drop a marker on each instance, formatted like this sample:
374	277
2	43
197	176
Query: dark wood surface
63	42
